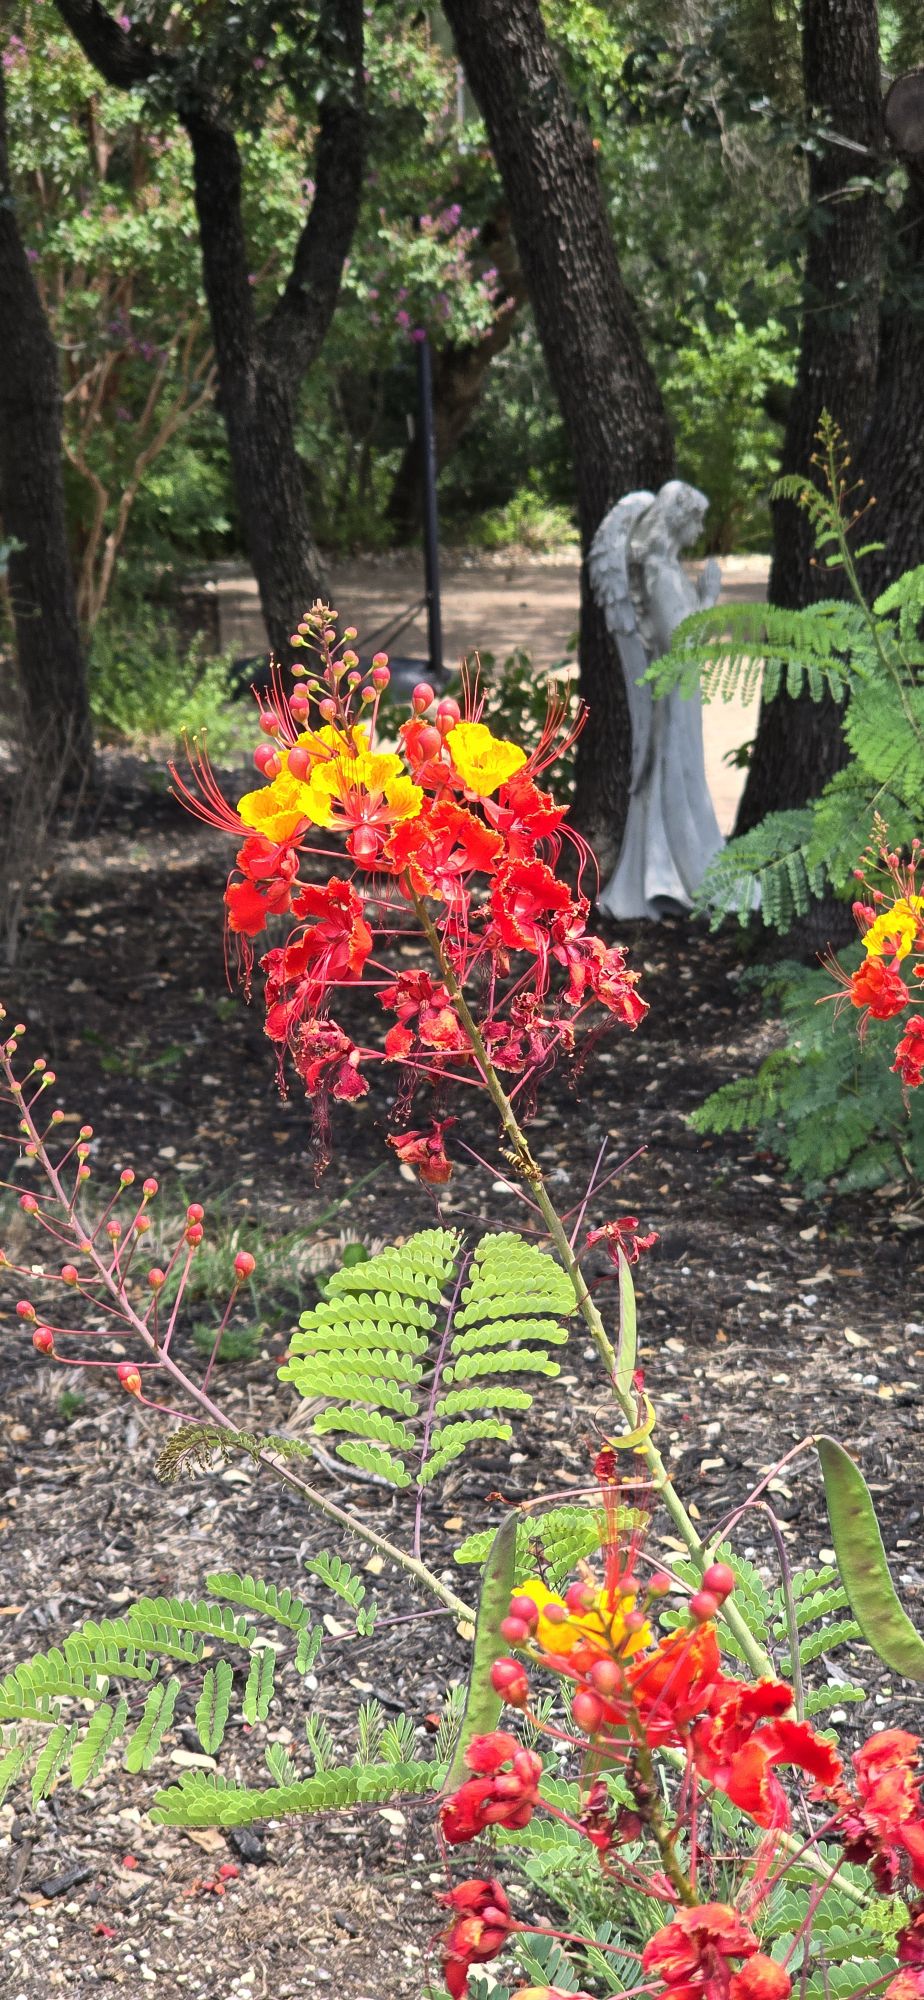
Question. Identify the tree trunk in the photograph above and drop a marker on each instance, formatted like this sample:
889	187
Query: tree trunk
52	673
255	398
799	744
616	425
459	376
893	463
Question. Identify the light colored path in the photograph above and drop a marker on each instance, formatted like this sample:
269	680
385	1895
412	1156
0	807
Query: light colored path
500	604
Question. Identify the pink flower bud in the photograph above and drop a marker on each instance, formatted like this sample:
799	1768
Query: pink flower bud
299	763
328	708
156	1277
195	1212
114	1230
25	1311
43	1340
263	755
381	676
509	1680
195	1233
130	1377
605	1676
269	722
580	1597
86	1132
703	1606
587	1709
127	1176
149	1189
422	696
70	1274
447	715
523	1607
719	1579
429	743
244	1265
28	1203
514	1630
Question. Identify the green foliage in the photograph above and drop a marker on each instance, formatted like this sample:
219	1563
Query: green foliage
862	1558
406	1345
717	390
809	1610
483	1705
557	1541
146	689
825	1102
526	521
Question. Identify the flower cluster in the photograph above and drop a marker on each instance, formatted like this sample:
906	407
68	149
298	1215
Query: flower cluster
447	836
891	923
655	1718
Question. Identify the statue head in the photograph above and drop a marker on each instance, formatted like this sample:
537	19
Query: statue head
674	520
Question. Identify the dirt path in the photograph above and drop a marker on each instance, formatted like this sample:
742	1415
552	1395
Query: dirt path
501	604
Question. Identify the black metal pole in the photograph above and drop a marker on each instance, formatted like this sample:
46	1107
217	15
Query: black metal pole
430	520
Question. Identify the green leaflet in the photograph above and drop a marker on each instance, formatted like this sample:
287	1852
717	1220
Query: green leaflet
862	1563
142	1747
628	1331
483	1706
213	1706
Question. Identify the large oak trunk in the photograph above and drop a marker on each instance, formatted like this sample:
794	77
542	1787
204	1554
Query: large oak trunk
49	655
799	744
892	464
614	416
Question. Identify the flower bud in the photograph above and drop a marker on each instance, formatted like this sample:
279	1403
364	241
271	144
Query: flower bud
328	708
299	762
263	755
660	1584
605	1676
194	1234
43	1340
269	722
509	1681
587	1709
580	1597
244	1265
195	1212
25	1311
429	743
70	1274
515	1630
703	1606
720	1580
379	661
86	1132
114	1230
422	697
523	1607
127	1176
156	1277
149	1189
29	1203
130	1377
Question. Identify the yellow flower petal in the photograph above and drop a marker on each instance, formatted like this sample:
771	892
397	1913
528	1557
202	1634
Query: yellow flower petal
895	929
483	761
603	1625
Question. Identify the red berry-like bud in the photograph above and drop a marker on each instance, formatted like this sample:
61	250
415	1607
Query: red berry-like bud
605	1676
269	723
634	1621
509	1680
130	1377
127	1176
43	1339
587	1709
156	1277
149	1188
70	1274
299	762
380	678
703	1606
379	660
447	715
660	1585
555	1614
429	743
515	1630
328	708
195	1212
580	1597
244	1265
523	1607
29	1204
263	755
422	696
720	1580
195	1233
25	1311
86	1132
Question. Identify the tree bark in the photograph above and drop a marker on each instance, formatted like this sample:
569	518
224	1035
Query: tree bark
799	744
459	376
615	421
261	365
892	466
50	662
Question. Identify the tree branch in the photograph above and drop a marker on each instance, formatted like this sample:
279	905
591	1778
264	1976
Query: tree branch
299	321
123	56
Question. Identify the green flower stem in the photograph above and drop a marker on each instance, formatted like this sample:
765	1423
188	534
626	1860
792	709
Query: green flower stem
754	1654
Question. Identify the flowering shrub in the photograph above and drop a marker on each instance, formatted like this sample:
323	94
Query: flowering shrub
891	924
740	1850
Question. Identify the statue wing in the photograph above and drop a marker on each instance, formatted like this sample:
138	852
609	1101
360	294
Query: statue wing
608	571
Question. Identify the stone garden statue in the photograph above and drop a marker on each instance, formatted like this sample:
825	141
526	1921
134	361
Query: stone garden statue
639	581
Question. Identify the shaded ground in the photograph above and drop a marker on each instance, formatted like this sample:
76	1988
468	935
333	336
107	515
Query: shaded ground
763	1317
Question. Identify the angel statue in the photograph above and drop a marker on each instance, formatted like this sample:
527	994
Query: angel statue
640	583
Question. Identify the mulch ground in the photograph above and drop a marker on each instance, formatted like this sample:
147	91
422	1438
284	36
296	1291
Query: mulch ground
764	1317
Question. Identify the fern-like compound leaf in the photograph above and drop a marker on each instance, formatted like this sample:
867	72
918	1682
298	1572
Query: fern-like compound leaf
91	1749
54	1756
260	1685
200	1800
143	1745
213	1706
251	1591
